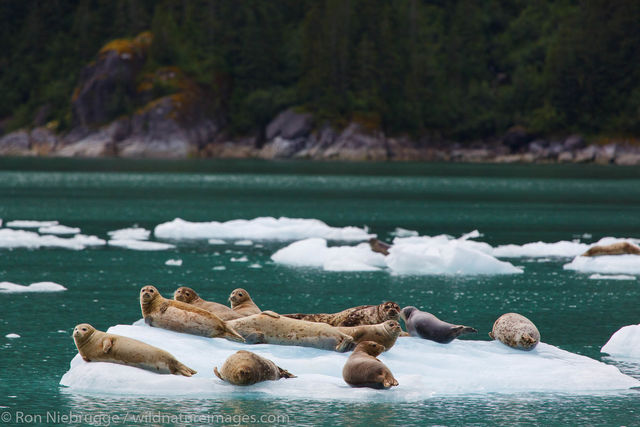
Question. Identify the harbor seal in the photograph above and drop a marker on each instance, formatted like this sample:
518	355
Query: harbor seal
271	328
190	296
426	325
516	331
97	346
182	317
363	369
355	316
618	248
384	334
379	246
246	368
242	303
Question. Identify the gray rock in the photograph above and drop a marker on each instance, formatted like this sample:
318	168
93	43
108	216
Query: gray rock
15	144
471	155
289	125
516	138
97	144
280	148
574	142
606	154
628	159
355	144
585	155
43	141
565	157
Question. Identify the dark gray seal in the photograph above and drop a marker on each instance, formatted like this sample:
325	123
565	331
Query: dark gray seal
426	325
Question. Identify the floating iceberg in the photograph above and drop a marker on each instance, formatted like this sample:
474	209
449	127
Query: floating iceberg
132	233
58	229
29	239
173	262
12	336
10	288
411	255
30	224
541	250
141	245
625	264
423	368
624	343
315	253
263	228
135	238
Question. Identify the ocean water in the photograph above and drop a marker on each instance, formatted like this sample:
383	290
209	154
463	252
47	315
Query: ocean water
507	204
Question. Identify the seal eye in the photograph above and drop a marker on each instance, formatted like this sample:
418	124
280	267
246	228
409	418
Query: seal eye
84	329
151	290
239	294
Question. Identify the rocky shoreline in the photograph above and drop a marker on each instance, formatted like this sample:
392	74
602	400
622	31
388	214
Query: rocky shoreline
293	135
163	113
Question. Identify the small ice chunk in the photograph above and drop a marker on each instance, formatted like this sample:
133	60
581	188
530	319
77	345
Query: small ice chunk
606	264
174	262
240	259
243	243
10	238
255	266
9	288
403	232
217	242
141	245
611	277
219	267
58	229
624	343
262	228
12	336
132	233
562	248
30	224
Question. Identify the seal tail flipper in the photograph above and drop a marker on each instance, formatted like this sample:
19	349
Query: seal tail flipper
271	314
231	334
285	374
346	344
215	371
491	335
184	370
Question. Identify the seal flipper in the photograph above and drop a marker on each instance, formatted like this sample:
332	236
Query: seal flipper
231	334
180	369
346	344
284	373
271	314
215	371
491	335
255	338
106	345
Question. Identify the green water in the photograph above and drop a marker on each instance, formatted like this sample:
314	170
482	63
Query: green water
508	204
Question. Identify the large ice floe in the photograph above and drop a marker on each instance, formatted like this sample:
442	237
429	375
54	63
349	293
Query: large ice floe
607	264
263	228
423	368
408	255
10	238
625	343
564	248
12	288
136	238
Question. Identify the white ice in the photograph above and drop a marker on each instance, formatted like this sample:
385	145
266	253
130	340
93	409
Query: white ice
611	277
30	224
173	262
217	242
10	288
58	229
314	252
607	264
403	232
423	368
29	239
263	228
411	255
12	336
625	343
141	245
541	249
245	242
132	233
